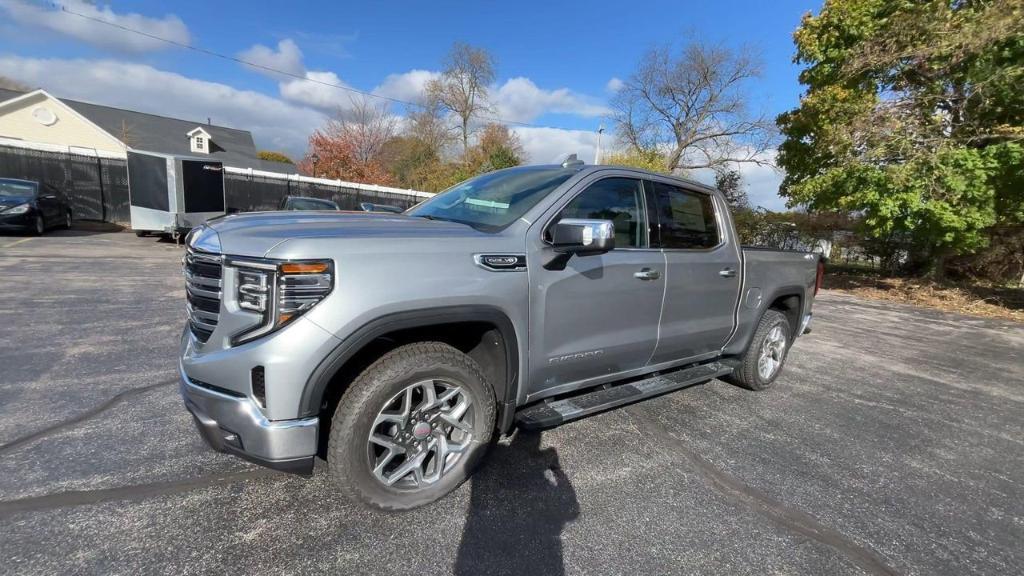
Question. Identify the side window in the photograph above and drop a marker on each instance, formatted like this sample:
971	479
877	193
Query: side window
687	218
615	199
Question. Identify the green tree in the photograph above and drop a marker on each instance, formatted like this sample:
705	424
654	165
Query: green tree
497	148
643	158
729	182
272	156
912	119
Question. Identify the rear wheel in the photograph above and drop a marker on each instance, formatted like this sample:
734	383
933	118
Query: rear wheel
141	233
762	362
67	219
412	427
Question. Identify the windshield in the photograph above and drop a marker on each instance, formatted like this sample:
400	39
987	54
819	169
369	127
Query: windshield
311	204
492	201
17	188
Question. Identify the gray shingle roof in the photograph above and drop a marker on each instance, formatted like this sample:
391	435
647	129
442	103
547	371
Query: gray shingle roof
162	134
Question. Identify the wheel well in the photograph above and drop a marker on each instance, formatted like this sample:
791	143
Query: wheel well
790	306
481	341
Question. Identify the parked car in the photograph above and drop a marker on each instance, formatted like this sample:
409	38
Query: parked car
30	206
371	207
531	296
304	203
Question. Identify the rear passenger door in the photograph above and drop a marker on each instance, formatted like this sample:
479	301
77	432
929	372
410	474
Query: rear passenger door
703	272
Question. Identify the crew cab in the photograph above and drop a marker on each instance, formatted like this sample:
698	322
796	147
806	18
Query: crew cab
397	346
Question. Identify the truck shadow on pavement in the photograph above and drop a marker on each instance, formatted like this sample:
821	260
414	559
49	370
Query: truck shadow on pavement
520	501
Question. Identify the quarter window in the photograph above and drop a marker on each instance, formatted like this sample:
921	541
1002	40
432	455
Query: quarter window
687	218
615	199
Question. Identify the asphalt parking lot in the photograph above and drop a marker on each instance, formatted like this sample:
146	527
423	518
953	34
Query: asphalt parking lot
892	444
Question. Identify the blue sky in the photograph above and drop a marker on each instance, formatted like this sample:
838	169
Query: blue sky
556	60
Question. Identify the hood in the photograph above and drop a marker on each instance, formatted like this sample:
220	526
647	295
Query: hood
255	234
8	201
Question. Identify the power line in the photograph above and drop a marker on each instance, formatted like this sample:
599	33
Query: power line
245	62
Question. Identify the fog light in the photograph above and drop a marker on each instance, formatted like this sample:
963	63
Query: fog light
259	386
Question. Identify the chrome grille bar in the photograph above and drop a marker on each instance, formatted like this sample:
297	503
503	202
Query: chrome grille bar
203	282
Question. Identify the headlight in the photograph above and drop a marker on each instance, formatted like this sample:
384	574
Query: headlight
19	209
280	291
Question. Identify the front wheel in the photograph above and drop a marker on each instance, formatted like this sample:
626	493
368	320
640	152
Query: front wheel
39	226
762	363
412	427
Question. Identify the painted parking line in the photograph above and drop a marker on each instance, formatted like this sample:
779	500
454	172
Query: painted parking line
16	242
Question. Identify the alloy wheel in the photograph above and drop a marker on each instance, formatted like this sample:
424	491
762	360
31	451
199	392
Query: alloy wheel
773	350
420	434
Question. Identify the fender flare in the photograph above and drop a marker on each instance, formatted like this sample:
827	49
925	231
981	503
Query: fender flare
739	345
505	392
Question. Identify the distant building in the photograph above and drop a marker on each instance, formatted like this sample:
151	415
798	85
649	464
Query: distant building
38	116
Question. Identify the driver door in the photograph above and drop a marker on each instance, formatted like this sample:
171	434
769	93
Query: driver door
597	316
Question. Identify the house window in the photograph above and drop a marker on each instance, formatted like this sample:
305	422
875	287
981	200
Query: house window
199	143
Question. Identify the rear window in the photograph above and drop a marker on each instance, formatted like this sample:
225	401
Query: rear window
687	218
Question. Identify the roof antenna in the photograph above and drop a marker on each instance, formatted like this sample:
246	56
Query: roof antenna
571	160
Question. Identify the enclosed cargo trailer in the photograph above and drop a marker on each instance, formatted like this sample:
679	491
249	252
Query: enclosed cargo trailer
172	194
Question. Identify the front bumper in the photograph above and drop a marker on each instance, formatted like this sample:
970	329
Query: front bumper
235	425
20	222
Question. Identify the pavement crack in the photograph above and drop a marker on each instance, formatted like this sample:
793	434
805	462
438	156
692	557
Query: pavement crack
117	399
133	492
788	517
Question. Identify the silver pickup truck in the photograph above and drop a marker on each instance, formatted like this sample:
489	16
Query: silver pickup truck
397	346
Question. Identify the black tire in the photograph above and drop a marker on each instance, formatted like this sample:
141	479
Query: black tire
141	233
748	374
348	448
67	220
39	225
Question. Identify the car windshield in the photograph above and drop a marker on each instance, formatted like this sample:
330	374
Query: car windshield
311	204
492	201
14	188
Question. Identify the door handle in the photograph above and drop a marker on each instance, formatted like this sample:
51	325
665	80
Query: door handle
727	272
647	274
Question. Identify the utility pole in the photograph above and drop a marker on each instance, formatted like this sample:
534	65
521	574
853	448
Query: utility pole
597	153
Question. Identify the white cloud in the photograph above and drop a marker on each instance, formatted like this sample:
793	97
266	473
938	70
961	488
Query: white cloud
97	33
408	86
614	85
520	100
286	58
319	90
275	124
549	145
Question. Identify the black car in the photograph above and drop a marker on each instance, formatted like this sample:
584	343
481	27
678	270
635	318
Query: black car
304	203
30	206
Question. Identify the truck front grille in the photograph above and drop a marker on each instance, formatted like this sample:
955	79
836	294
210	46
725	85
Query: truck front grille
203	285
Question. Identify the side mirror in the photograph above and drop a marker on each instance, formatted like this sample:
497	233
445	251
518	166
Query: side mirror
583	237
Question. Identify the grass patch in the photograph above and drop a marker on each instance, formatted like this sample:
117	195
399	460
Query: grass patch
977	299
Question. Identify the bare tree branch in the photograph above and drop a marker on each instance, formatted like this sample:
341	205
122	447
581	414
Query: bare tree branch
692	106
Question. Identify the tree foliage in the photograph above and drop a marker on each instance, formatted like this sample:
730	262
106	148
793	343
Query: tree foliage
729	182
274	156
913	118
643	158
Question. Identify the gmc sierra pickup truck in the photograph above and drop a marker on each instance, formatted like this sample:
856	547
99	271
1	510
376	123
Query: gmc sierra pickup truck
396	346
